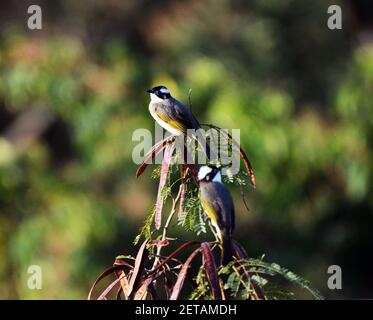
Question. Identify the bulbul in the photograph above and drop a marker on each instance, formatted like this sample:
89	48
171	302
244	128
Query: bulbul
217	202
171	114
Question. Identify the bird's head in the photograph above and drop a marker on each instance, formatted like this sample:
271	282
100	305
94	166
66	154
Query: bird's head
209	173
159	93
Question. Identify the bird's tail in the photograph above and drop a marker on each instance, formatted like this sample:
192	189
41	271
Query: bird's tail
226	253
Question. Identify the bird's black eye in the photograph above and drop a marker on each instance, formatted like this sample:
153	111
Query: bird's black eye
162	92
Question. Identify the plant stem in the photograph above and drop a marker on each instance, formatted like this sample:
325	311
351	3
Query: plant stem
167	224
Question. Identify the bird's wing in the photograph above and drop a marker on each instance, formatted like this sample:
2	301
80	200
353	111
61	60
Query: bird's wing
225	203
214	211
218	204
176	115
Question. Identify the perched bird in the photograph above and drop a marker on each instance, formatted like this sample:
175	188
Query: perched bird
171	114
218	204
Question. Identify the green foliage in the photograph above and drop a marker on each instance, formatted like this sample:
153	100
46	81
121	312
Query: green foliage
199	222
256	270
146	229
156	172
201	289
186	219
192	218
245	278
259	267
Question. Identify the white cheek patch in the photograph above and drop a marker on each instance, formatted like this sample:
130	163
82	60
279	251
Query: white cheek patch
203	172
155	98
164	90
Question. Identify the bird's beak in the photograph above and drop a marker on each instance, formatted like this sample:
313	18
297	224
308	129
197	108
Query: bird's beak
149	91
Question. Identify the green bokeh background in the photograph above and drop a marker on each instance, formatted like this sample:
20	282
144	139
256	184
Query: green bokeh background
72	94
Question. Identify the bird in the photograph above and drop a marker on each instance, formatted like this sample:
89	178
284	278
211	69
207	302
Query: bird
218	205
172	115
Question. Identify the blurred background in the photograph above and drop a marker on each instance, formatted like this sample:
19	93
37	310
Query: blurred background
72	94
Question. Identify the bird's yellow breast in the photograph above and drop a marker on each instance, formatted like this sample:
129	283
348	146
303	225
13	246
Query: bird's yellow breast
209	211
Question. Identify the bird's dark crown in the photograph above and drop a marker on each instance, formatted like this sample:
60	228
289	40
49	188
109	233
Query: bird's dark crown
161	92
